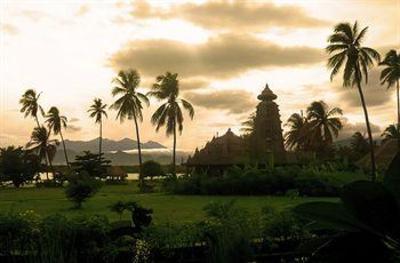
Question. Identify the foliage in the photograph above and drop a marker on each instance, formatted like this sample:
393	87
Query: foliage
30	105
323	180
367	209
56	123
392	132
152	169
315	131
141	217
93	164
80	188
17	165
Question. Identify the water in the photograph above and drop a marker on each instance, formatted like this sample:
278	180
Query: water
131	176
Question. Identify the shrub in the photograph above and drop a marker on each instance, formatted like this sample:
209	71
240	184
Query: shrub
81	188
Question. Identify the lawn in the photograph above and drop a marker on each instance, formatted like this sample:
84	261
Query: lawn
167	208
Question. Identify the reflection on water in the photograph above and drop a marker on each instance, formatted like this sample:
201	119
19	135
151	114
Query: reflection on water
131	176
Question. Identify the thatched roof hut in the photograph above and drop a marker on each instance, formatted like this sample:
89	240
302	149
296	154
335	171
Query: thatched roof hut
384	155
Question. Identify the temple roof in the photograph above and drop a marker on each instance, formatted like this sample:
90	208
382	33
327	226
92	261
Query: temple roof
267	94
227	149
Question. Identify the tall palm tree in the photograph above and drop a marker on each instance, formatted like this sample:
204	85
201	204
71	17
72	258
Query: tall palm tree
345	47
324	122
56	123
30	105
390	75
41	144
170	113
248	125
97	110
130	104
391	132
297	137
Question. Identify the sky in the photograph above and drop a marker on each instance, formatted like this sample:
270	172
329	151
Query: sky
224	52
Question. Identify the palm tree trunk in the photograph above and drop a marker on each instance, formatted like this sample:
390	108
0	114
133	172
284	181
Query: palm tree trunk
65	150
141	179
100	137
174	152
398	113
371	142
47	166
37	121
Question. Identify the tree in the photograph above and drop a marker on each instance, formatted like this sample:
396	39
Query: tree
345	47
248	125
151	169
94	165
30	105
97	110
130	104
56	123
390	75
45	148
81	188
391	132
324	123
297	136
17	166
359	144
170	113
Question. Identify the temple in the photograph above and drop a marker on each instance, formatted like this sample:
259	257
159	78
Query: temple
263	146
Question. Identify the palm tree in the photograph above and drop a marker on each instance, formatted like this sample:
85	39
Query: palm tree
248	125
170	113
323	122
41	144
296	138
129	105
391	132
30	105
97	110
390	75
56	123
345	47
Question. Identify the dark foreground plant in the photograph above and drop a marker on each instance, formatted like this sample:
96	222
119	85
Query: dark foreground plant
81	188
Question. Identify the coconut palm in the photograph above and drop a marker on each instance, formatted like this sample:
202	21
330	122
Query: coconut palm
130	104
391	132
97	110
30	105
324	122
390	75
41	144
170	113
297	136
347	52
56	123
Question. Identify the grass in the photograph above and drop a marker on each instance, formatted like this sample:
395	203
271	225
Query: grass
166	207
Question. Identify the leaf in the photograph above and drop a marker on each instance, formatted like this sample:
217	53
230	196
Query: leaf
374	205
329	215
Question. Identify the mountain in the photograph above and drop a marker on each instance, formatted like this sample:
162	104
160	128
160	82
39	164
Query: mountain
125	144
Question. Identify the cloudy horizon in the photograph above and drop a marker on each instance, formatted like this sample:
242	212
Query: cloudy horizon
224	52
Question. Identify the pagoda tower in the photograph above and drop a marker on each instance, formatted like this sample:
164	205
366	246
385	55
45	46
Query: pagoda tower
267	128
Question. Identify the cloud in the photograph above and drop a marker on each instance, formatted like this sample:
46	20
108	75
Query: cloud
231	15
375	94
73	128
83	10
350	128
222	56
9	29
193	84
34	15
73	120
232	101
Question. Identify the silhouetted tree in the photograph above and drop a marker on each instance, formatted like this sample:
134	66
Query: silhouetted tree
170	113
56	123
30	105
391	132
345	45
297	137
97	110
45	148
130	104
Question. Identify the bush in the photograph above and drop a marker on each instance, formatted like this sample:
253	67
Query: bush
81	188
